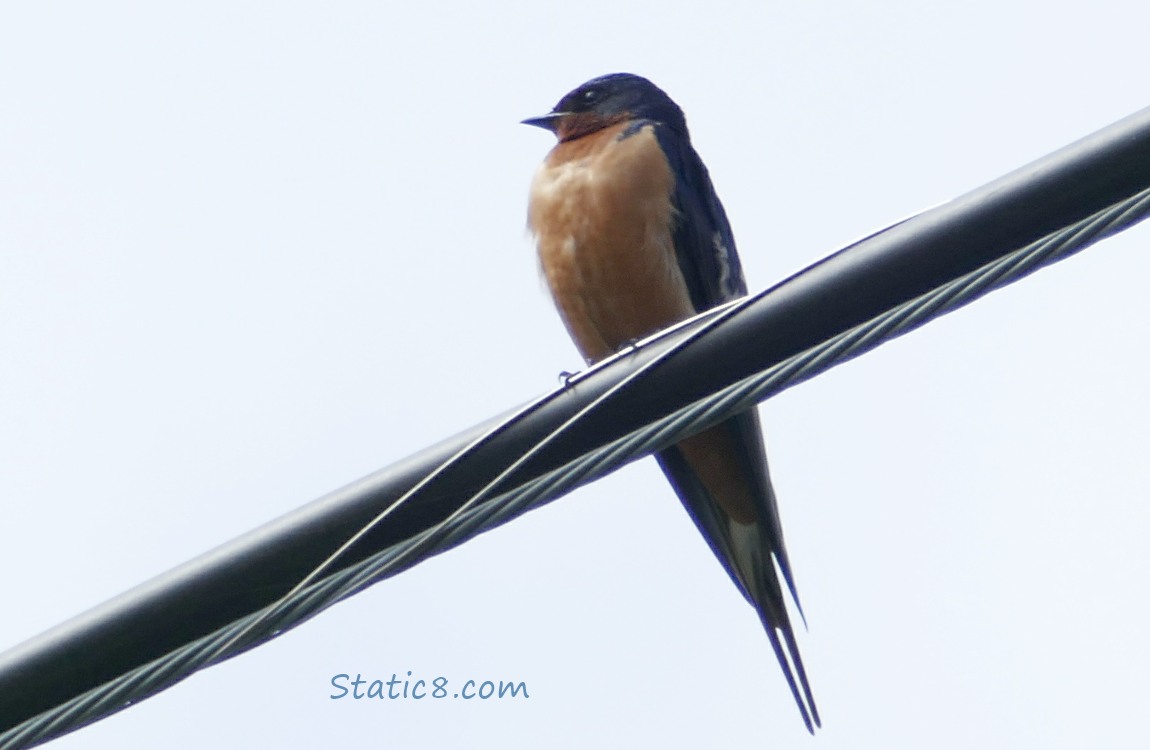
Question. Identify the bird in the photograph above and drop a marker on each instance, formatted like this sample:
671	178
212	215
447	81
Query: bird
632	238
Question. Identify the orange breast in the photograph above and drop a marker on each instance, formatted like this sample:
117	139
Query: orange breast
602	216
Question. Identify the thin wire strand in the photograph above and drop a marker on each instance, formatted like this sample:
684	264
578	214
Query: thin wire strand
286	599
473	518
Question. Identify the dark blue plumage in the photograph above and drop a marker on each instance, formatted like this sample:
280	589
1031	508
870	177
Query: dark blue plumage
632	237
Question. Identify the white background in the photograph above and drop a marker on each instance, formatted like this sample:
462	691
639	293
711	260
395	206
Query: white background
250	252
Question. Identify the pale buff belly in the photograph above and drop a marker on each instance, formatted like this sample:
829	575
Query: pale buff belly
602	215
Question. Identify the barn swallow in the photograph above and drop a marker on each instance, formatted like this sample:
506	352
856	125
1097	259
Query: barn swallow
632	238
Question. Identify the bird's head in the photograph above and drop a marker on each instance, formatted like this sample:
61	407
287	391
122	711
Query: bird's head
607	100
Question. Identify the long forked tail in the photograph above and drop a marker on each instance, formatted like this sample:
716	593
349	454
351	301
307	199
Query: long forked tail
721	477
787	652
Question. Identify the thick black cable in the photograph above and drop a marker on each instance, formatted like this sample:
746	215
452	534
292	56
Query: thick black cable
840	292
475	517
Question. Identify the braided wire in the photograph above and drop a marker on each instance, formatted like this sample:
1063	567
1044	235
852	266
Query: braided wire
475	517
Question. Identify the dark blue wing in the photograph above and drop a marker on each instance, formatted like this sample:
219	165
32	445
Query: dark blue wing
706	254
704	243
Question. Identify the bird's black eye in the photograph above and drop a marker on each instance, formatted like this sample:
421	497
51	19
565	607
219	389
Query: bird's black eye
590	96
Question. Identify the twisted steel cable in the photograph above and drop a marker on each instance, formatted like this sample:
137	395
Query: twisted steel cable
479	513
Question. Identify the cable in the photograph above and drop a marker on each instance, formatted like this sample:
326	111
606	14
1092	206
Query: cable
473	518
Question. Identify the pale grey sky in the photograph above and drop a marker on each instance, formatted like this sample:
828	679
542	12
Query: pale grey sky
250	252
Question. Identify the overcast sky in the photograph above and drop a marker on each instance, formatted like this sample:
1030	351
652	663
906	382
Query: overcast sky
250	252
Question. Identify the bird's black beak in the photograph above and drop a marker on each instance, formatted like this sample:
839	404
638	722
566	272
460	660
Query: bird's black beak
549	121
